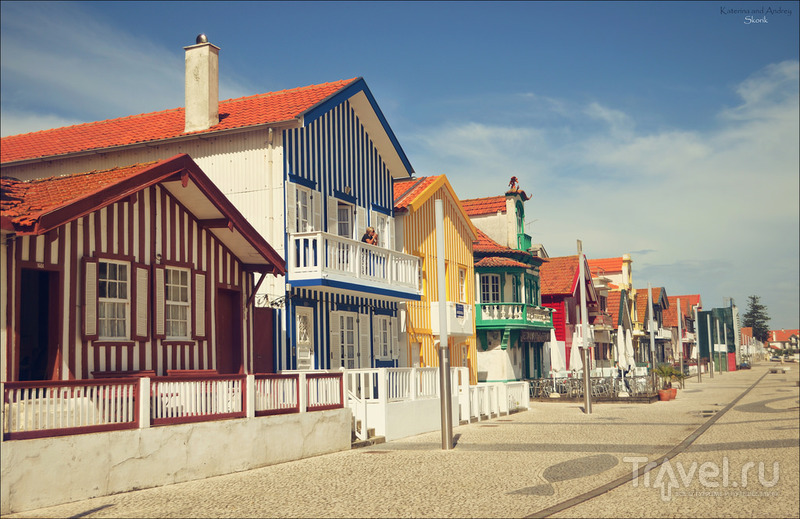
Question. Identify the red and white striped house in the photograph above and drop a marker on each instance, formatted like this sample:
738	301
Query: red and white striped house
146	267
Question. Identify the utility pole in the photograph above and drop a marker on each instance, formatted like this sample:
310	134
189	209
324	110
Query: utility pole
680	337
697	342
444	350
652	334
587	381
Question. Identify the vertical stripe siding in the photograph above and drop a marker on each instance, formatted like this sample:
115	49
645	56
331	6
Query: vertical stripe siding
130	226
420	237
335	151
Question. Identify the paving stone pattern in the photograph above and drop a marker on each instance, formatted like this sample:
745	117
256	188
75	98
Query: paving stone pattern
529	463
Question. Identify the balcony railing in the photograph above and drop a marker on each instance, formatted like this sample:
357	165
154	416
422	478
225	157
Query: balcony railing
321	256
492	314
523	241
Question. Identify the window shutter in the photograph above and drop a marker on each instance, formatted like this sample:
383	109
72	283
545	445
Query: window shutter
141	298
316	210
363	341
199	294
390	235
159	302
394	331
361	223
291	208
335	342
376	336
90	299
333	216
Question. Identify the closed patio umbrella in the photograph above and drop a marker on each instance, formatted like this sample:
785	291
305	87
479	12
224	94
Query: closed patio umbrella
575	360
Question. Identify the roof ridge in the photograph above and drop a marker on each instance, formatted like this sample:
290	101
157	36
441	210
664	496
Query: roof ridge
181	108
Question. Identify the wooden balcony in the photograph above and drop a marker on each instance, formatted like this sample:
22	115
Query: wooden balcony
324	260
491	315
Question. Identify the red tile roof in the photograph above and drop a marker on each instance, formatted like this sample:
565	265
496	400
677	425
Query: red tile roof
406	191
484	206
559	275
25	202
782	335
496	261
605	266
487	245
612	307
272	107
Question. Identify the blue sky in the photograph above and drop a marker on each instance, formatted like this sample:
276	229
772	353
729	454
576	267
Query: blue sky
667	130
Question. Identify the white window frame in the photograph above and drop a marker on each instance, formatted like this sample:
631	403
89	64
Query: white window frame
304	210
175	305
105	304
382	341
490	286
462	285
343	208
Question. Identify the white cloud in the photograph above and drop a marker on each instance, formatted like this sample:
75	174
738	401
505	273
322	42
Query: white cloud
716	207
90	74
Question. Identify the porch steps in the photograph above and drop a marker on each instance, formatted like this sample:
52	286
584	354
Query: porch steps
355	443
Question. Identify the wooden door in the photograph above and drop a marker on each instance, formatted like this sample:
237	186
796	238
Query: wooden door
229	332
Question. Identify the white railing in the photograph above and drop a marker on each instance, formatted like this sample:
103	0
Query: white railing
195	398
55	408
372	392
318	255
515	312
323	391
276	394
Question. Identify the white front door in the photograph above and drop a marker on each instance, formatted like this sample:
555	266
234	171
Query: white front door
305	338
414	354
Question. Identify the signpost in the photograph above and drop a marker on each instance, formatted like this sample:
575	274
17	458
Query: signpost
587	381
444	350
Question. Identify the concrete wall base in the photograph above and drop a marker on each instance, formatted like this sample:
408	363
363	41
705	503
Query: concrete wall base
50	471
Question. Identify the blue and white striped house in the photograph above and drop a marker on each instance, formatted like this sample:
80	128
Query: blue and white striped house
310	168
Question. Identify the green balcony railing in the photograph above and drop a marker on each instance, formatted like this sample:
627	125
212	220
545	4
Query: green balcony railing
496	314
523	242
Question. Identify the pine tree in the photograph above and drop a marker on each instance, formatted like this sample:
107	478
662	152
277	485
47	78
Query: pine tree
757	318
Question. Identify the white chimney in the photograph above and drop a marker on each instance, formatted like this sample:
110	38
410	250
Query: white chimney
202	85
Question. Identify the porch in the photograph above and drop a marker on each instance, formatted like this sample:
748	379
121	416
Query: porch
402	402
322	259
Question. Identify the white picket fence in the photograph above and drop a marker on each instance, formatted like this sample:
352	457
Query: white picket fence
399	402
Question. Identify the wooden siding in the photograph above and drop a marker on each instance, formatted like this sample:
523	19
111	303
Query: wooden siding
335	152
145	225
323	303
419	235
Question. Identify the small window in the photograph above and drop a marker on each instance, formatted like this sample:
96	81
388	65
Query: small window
113	300
303	214
490	288
177	303
462	285
345	220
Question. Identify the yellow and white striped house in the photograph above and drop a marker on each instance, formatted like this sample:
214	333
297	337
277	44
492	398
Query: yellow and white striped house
415	234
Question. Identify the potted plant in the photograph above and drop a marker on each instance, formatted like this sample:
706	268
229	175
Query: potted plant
665	372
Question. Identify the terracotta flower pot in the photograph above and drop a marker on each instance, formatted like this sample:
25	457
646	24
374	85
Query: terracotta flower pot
673	392
664	395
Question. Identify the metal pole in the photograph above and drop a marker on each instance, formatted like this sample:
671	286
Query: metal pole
652	334
719	353
587	381
697	342
680	337
725	342
444	351
710	346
